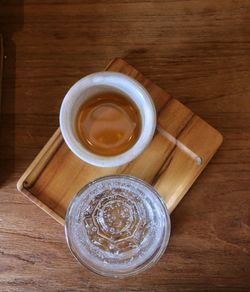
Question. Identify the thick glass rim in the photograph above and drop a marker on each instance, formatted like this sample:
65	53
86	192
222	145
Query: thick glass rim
152	260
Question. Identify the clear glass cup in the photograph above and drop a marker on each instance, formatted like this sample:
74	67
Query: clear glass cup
117	226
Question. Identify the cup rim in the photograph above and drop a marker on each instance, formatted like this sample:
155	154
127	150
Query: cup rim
106	78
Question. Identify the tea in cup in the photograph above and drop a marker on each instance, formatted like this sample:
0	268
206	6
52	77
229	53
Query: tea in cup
107	119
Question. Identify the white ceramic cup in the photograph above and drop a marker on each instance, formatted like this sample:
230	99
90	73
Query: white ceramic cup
91	85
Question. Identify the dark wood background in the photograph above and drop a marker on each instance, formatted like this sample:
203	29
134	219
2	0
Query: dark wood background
199	51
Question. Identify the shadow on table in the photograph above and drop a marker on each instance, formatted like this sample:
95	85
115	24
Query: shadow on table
11	21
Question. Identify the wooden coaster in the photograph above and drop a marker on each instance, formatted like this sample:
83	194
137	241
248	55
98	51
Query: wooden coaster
181	148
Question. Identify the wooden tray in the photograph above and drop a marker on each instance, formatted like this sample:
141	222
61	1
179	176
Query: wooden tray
181	148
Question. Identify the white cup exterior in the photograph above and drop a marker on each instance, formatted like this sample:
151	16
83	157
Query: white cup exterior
91	85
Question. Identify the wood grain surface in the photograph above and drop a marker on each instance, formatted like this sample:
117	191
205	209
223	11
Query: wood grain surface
198	51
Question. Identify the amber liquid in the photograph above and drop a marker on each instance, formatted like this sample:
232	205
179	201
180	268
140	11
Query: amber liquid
108	124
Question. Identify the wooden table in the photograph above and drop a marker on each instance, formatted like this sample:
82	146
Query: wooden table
199	51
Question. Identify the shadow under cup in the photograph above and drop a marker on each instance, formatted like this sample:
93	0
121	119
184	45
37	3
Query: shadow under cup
92	85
